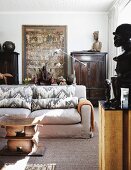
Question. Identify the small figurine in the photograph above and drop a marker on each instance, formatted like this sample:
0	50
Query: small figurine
61	81
97	45
70	79
4	77
107	92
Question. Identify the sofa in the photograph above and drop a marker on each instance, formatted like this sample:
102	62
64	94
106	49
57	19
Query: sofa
55	106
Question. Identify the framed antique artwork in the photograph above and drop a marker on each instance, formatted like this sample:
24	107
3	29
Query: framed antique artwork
39	43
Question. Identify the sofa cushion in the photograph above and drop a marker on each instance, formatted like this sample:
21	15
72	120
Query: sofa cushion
4	92
43	92
22	92
57	116
20	96
15	103
21	112
16	92
53	103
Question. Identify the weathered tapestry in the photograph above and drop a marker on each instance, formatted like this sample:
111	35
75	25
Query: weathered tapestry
39	44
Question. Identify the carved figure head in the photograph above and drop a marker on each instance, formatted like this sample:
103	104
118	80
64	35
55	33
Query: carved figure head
96	35
122	35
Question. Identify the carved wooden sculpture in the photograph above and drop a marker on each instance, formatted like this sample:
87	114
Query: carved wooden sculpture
44	77
4	77
122	38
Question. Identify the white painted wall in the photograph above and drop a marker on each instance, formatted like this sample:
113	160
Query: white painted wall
80	27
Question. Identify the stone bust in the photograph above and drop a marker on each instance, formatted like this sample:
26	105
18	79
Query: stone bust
97	45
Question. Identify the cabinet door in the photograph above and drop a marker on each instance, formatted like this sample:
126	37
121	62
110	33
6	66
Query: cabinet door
93	74
9	64
97	74
14	68
81	73
110	139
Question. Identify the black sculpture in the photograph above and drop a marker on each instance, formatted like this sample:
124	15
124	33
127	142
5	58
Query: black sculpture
107	93
44	77
70	79
122	38
8	46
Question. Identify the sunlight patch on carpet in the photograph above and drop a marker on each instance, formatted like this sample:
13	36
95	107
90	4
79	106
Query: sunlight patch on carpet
31	167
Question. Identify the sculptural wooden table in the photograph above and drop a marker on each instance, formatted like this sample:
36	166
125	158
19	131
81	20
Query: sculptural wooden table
21	134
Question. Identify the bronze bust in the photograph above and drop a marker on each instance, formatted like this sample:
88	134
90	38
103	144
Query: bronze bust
122	38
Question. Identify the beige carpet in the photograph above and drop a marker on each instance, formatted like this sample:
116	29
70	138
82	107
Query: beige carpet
67	154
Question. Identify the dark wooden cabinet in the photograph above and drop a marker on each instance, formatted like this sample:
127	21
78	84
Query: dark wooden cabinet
92	75
9	64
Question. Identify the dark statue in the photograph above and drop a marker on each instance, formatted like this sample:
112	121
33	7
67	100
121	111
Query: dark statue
44	77
107	92
8	46
122	38
70	79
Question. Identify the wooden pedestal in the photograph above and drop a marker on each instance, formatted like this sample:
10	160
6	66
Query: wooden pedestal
21	136
114	139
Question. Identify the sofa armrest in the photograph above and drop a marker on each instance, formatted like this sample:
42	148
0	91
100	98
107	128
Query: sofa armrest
85	108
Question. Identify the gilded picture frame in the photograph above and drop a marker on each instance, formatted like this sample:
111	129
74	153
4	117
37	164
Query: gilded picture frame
39	43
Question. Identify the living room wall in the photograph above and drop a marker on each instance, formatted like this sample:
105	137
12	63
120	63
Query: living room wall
80	26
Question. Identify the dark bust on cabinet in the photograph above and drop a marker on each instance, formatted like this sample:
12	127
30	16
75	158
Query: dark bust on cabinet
92	75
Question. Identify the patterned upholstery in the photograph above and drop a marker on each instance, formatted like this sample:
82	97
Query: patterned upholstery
53	103
20	97
44	97
43	92
54	97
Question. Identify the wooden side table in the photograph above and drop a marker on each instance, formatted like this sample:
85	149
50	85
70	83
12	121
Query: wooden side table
21	134
114	139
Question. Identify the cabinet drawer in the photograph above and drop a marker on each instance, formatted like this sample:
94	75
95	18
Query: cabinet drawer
97	93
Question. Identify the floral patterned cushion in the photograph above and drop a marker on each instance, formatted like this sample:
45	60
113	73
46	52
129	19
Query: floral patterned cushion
20	96
53	103
43	92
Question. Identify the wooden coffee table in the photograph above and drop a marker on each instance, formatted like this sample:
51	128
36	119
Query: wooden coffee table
21	135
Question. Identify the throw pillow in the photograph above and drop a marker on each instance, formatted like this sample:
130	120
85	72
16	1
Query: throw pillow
54	103
16	92
5	92
19	96
43	92
15	103
24	92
